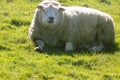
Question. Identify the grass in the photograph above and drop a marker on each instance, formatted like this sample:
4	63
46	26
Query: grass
18	61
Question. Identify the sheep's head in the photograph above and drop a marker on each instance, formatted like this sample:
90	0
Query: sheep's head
49	13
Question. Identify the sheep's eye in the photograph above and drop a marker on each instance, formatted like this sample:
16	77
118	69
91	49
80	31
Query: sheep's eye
43	10
56	12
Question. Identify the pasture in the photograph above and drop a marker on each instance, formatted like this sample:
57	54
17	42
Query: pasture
18	60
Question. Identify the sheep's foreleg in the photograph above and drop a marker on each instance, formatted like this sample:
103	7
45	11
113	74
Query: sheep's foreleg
40	45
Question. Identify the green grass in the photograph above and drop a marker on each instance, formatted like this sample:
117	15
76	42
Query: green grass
18	60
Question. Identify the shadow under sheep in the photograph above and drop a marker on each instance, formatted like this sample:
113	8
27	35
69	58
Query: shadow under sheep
61	51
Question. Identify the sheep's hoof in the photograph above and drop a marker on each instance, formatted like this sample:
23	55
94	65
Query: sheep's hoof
38	49
95	49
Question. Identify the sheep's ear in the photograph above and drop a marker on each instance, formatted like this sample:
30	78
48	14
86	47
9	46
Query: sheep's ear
61	9
40	7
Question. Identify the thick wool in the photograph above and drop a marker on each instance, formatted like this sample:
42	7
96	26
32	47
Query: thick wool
83	27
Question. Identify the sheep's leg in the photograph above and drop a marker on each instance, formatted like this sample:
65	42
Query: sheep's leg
40	44
96	48
98	45
69	46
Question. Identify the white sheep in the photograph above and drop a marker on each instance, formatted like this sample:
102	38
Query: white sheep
73	27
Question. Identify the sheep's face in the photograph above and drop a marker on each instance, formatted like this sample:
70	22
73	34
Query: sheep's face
50	14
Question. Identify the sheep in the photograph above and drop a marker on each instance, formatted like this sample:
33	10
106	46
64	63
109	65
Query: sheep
71	27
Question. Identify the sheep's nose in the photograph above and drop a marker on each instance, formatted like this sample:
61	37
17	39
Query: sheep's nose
51	18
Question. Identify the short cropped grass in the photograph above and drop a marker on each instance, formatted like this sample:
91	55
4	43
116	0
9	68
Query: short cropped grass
18	60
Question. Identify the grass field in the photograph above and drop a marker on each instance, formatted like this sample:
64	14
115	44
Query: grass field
18	60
